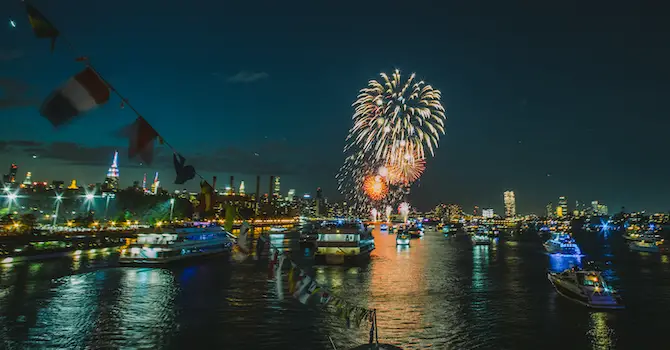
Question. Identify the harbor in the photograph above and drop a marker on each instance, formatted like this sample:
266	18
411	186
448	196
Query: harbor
440	293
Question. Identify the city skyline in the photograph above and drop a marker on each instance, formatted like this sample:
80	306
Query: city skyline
282	107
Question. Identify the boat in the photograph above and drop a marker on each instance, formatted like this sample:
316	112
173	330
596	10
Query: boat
415	232
481	239
277	229
402	239
172	244
562	243
587	288
20	249
648	243
339	242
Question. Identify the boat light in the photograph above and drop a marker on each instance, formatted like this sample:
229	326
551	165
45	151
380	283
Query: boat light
7	260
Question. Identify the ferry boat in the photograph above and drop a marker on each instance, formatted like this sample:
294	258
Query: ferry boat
19	249
587	288
481	239
403	239
562	243
340	242
174	244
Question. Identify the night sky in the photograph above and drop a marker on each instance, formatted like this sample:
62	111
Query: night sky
568	98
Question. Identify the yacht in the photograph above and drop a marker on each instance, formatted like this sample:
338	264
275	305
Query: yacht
586	287
415	232
403	239
562	243
174	244
647	243
481	239
339	242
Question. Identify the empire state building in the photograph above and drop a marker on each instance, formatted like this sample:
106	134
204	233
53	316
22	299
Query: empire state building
112	180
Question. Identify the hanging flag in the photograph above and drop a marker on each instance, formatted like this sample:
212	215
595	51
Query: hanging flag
207	192
184	172
278	270
80	94
41	26
141	136
291	279
230	217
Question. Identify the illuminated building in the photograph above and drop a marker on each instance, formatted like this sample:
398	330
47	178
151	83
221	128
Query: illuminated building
144	183
155	184
241	191
112	180
10	177
277	187
562	207
291	194
487	213
27	180
320	203
550	210
510	204
598	208
454	212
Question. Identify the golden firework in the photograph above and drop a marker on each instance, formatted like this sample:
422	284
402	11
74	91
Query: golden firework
375	187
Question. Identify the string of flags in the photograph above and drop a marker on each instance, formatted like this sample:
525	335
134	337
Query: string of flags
88	90
301	286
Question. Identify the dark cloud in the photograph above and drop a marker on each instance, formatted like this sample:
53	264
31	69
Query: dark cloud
248	77
14	93
265	158
10	55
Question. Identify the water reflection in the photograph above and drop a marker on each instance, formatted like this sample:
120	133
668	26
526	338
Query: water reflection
600	334
559	263
439	293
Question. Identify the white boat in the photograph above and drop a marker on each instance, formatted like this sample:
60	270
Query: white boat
562	243
339	242
173	244
402	239
587	288
480	239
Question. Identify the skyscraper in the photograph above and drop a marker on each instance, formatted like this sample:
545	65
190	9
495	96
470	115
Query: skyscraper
10	177
562	208
291	194
550	210
241	191
112	180
320	203
487	213
510	204
277	187
155	184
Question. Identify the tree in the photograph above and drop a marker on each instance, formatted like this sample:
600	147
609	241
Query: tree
28	221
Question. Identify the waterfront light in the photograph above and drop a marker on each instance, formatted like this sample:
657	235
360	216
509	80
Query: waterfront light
89	196
12	196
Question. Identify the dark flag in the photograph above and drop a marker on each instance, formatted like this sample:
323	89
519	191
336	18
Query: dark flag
207	192
41	25
184	172
82	93
141	136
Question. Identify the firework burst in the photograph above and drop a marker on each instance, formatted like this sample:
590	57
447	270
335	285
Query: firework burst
397	123
393	118
375	187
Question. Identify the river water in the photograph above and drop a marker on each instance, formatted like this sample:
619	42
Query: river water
440	293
